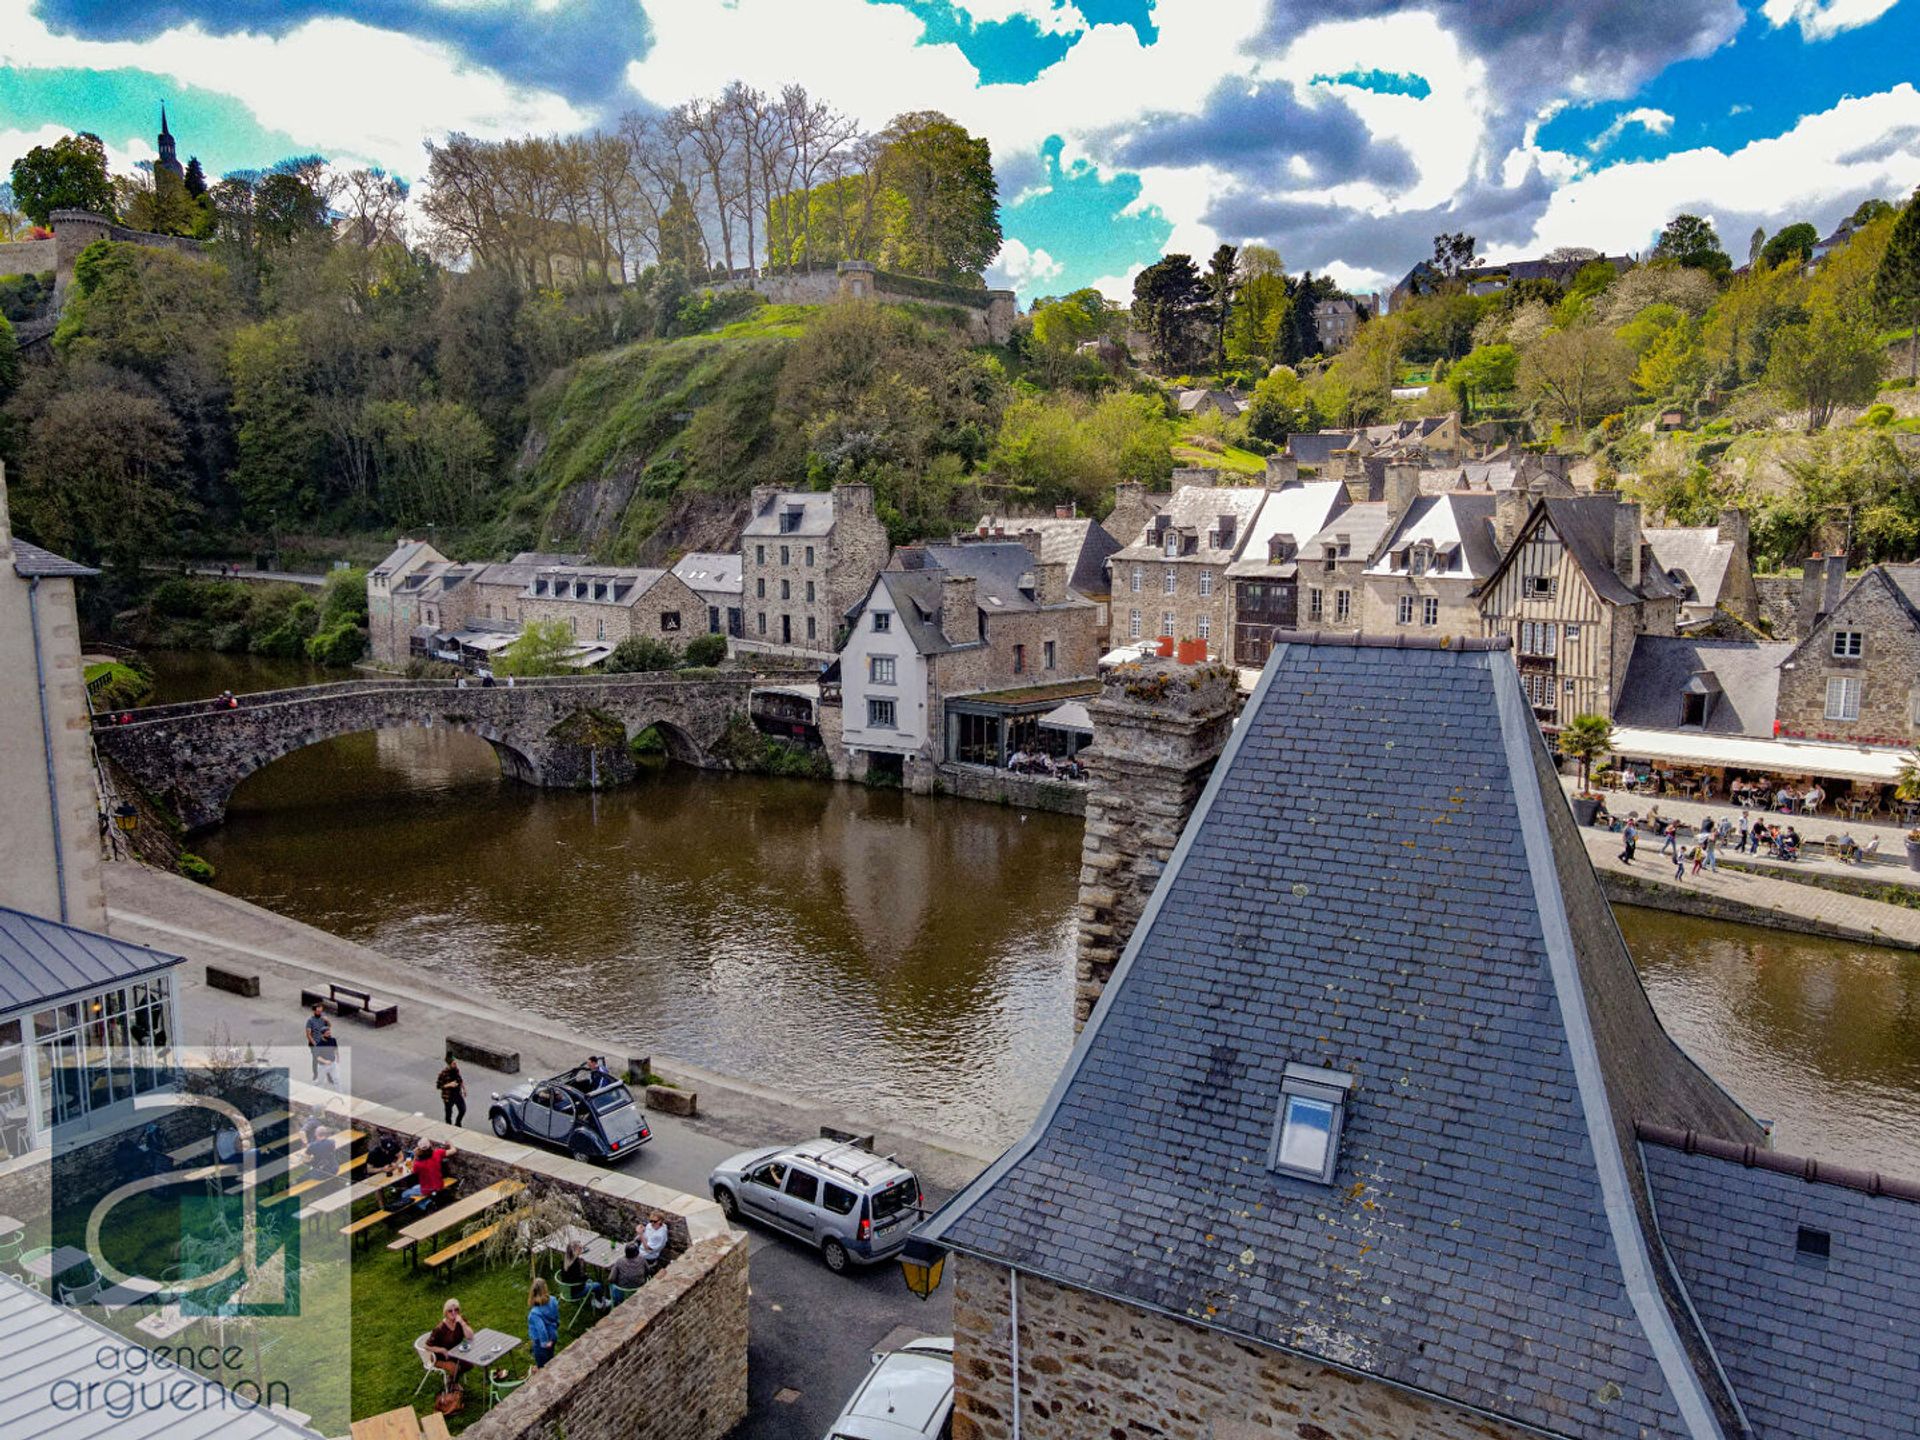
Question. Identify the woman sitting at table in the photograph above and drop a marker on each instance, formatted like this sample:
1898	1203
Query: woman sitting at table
573	1275
543	1323
451	1331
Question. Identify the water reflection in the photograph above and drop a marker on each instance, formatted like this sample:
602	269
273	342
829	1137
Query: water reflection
1820	1036
900	954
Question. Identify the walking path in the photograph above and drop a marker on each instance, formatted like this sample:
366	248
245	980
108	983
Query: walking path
1754	897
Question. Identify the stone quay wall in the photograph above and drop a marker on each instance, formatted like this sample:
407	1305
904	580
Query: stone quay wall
1093	1368
1158	729
1005	787
190	758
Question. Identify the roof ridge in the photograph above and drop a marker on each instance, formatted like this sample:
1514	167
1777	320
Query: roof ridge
1753	1157
1394	641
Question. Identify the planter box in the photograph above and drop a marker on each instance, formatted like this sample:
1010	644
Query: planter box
1585	810
1913	855
477	1052
233	982
669	1101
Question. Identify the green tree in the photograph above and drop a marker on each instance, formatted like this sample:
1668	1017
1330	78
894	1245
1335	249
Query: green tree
1578	374
1674	362
1586	739
280	444
1848	490
1221	285
70	174
1484	372
1830	360
951	228
683	245
1167	300
101	471
9	360
638	654
1694	243
706	651
1795	242
540	649
1896	285
1280	407
1451	255
1260	309
1739	330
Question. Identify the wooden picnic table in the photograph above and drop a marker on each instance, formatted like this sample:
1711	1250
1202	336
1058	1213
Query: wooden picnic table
204	1144
457	1213
402	1424
344	1199
273	1169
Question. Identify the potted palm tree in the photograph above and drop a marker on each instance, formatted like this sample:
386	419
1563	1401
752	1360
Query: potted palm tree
1586	739
1907	787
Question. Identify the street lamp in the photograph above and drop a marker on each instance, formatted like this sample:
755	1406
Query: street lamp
126	817
920	1265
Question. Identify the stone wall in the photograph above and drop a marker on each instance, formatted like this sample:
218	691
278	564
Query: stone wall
74	230
1158	727
1004	787
1202	607
29	257
1888	668
1094	1369
1778	600
645	616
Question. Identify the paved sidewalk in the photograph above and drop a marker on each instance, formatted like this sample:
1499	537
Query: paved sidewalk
1792	904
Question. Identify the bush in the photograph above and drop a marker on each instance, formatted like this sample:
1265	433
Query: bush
421	668
340	644
706	650
344	598
194	868
286	637
1881	414
639	653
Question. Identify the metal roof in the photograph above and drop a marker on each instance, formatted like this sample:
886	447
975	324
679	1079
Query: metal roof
30	562
43	961
54	1352
1382	878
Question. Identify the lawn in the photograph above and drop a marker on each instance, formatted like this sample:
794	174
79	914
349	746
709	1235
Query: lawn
1230	458
374	1304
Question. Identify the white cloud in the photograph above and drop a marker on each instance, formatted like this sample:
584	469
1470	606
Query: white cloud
1823	161
1021	269
332	84
1119	288
1654	122
1823	19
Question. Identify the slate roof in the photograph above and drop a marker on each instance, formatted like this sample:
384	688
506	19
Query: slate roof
1318	448
706	572
916	605
30	562
1363	524
42	961
1584	524
816	514
1698	553
997	569
1080	543
1905	580
1301	511
589	586
400	556
1194	510
1381	878
1460	528
1815	1350
1745	678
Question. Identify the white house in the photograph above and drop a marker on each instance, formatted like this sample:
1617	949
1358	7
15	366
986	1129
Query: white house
883	666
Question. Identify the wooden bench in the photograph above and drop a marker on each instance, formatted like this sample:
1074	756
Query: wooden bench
366	1222
445	1258
293	1192
347	1000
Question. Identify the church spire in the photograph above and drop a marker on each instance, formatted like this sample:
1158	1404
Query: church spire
168	163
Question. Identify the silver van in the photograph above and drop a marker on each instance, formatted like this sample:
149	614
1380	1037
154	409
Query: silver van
852	1205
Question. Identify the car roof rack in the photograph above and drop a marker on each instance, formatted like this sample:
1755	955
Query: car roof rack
828	1159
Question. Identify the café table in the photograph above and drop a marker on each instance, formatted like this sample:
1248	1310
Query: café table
165	1323
486	1348
58	1263
595	1250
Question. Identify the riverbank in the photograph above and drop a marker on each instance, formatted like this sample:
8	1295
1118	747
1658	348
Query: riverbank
397	1064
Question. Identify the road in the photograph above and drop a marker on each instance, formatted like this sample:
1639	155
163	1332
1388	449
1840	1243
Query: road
812	1332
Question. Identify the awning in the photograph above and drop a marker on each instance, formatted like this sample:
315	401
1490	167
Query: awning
1070	716
1779	757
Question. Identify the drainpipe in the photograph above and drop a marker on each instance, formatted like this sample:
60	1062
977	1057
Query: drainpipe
1013	1327
46	740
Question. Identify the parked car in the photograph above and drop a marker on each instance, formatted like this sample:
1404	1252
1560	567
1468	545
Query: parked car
852	1205
908	1395
589	1119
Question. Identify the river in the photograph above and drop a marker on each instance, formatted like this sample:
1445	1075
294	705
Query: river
913	955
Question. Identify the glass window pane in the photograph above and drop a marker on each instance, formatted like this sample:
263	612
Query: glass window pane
1306	1133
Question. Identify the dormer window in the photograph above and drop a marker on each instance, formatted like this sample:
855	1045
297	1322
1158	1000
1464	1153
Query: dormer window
1173	543
1345	545
1421	560
1280	549
1306	1131
790	519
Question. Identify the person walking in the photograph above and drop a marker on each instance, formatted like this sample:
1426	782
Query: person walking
1712	848
316	1027
1629	838
452	1086
1679	862
1671	846
326	1058
1697	853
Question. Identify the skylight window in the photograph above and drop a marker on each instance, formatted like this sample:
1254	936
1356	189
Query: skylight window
1306	1132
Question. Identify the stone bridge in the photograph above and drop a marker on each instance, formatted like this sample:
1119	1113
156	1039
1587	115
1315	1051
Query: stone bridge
570	732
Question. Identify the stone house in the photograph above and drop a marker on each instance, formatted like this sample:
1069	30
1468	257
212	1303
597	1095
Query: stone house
1208	402
392	604
954	654
716	579
1336	321
1436	552
1171	578
1311	1171
806	558
1062	538
1133	507
1711	566
416	593
1855	676
1574	587
605	606
1265	580
1333	567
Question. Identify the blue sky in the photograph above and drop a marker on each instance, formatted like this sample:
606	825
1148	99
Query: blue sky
1345	133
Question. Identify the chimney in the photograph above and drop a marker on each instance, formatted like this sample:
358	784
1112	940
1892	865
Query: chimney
762	499
1733	531
1050	579
1402	489
1154	745
1510	509
1626	542
1067	512
1030	538
1282	471
960	610
853	500
1836	583
985	527
1813	580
